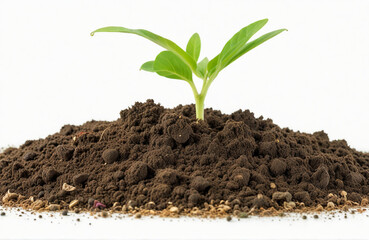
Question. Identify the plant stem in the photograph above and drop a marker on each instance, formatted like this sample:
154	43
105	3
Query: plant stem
200	106
200	98
199	102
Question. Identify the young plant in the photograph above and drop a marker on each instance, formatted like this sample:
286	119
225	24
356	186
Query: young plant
176	63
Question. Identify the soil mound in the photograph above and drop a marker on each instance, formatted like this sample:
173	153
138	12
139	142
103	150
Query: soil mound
152	156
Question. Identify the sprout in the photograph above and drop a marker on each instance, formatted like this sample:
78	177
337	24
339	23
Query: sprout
175	63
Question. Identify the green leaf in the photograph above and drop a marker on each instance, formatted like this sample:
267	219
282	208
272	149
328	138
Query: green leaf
148	66
234	45
201	67
194	46
251	45
169	65
163	42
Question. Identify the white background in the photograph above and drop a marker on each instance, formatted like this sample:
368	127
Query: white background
292	226
313	77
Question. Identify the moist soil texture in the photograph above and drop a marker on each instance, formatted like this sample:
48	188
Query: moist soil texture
157	158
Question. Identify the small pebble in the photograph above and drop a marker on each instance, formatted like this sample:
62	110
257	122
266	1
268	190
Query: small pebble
29	155
343	193
174	210
78	220
319	208
110	156
91	202
68	188
80	179
304	217
226	208
39	216
104	214
54	207
289	205
229	218
151	205
73	203
330	205
316	216
243	215
279	196
40	194
364	202
3	213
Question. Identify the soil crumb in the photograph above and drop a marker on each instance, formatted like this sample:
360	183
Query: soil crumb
153	159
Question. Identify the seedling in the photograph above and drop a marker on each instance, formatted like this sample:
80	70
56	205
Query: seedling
176	63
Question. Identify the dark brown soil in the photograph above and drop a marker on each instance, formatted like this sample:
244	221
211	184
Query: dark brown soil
153	154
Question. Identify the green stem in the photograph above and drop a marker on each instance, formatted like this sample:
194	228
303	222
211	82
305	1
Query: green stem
205	87
200	98
200	106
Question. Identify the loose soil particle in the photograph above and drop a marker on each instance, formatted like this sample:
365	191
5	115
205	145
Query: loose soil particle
151	156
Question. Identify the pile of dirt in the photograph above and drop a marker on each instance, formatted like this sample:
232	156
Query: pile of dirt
152	156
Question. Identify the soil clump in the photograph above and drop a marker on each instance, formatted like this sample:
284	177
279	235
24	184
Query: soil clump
153	158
